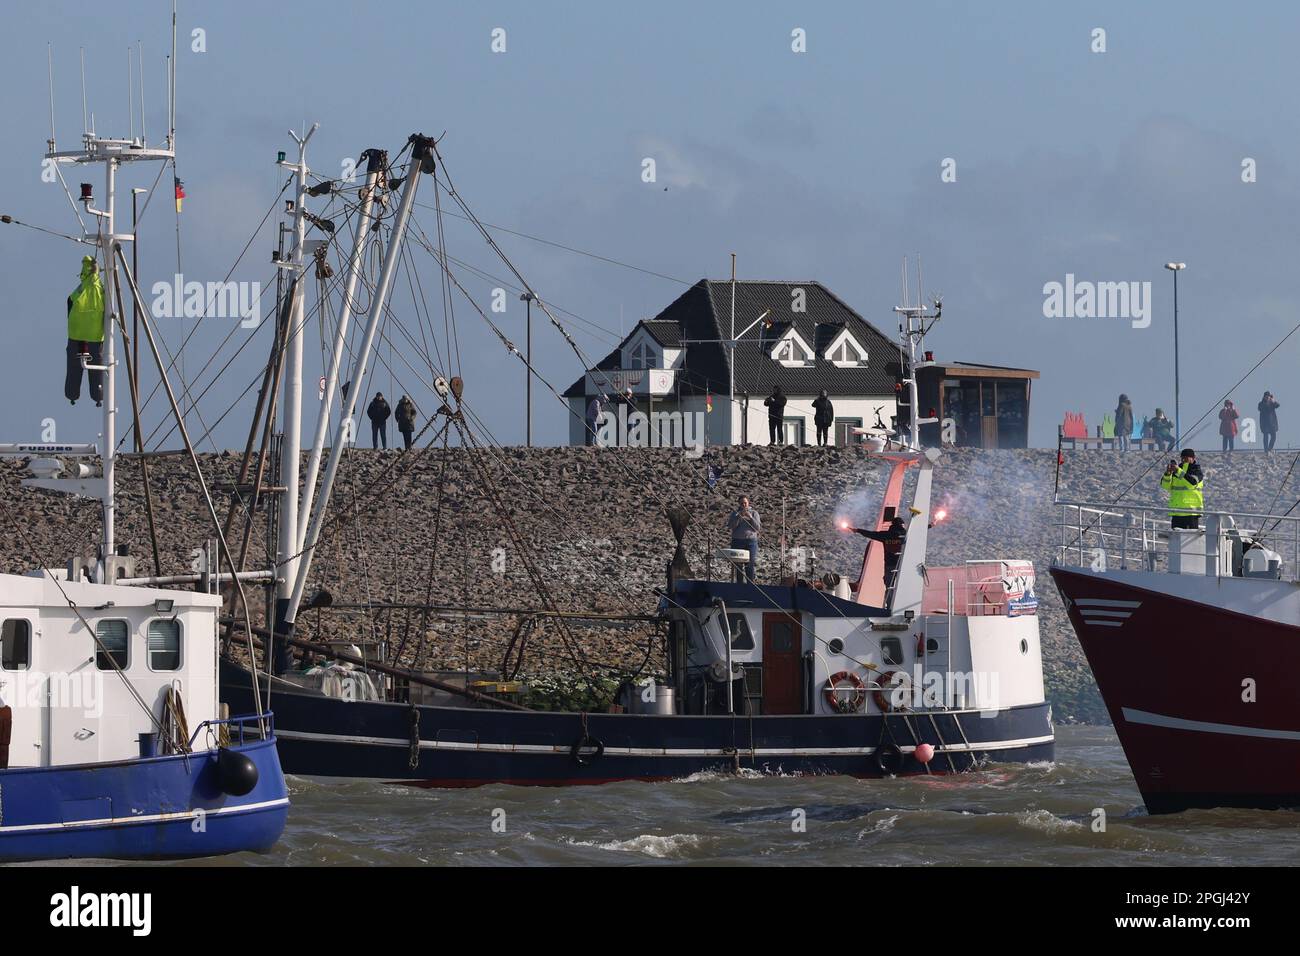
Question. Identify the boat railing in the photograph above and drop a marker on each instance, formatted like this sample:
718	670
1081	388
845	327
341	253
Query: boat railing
249	727
987	591
1109	536
980	587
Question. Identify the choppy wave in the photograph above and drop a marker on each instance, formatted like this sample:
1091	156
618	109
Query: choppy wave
1081	809
660	847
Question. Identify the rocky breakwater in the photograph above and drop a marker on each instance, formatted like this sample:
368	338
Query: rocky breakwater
583	530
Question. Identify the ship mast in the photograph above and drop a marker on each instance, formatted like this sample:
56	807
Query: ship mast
111	153
293	577
286	558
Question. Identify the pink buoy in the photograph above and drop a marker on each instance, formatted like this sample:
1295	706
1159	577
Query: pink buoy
924	753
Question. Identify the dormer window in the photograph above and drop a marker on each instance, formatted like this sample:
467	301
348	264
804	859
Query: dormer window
643	355
792	351
845	352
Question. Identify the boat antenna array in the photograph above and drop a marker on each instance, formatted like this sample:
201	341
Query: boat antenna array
915	321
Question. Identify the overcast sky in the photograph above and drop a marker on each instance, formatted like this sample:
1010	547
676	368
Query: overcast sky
825	164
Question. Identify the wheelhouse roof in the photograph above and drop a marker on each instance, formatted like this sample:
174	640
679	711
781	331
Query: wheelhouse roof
765	597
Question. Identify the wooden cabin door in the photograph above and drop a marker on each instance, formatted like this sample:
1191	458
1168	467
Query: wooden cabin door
989	432
782	664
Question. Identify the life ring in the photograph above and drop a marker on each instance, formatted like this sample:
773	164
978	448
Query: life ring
586	750
889	759
889	682
845	705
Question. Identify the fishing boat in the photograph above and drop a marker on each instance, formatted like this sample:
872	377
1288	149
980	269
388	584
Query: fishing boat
926	670
1189	634
942	676
114	742
97	756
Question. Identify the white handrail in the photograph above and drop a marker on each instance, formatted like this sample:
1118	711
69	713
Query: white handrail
1142	536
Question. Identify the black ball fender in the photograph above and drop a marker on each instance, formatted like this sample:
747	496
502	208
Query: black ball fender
236	772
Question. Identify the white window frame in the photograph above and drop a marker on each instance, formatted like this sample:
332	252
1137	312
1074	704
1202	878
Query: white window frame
180	645
845	342
642	353
792	340
96	644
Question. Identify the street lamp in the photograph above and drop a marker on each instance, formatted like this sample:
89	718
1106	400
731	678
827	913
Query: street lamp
1175	268
527	299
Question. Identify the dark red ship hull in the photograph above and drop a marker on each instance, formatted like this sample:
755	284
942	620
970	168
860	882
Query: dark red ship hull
1203	689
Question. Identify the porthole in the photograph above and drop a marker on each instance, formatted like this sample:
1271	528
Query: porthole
1024	646
836	646
931	646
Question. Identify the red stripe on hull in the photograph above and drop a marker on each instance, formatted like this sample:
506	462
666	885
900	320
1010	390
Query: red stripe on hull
1177	661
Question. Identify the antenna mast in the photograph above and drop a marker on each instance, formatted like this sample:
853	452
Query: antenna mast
85	123
49	56
911	331
171	87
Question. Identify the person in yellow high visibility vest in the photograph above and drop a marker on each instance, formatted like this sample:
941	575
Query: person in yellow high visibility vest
1185	483
86	332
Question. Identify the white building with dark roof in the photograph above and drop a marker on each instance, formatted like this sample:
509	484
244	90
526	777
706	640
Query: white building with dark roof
796	335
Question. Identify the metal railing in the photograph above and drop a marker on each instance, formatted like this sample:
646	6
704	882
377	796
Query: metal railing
1107	536
986	592
987	586
250	727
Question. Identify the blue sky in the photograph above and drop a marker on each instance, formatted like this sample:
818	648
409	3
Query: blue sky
822	165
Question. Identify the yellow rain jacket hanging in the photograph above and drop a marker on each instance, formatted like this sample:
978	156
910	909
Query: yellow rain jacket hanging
86	332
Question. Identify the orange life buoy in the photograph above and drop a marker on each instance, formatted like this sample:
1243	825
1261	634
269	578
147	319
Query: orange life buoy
888	683
845	705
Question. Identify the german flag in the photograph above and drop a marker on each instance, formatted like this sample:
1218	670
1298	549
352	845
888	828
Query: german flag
180	193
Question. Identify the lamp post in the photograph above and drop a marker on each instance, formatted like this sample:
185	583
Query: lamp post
527	299
1175	268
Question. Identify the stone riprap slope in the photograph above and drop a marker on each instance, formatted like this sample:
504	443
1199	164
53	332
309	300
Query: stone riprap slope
587	527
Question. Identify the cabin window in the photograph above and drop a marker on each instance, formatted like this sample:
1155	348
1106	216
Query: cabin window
742	638
113	646
836	646
891	651
165	645
16	645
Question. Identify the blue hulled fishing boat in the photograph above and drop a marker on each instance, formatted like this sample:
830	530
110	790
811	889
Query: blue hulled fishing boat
113	738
